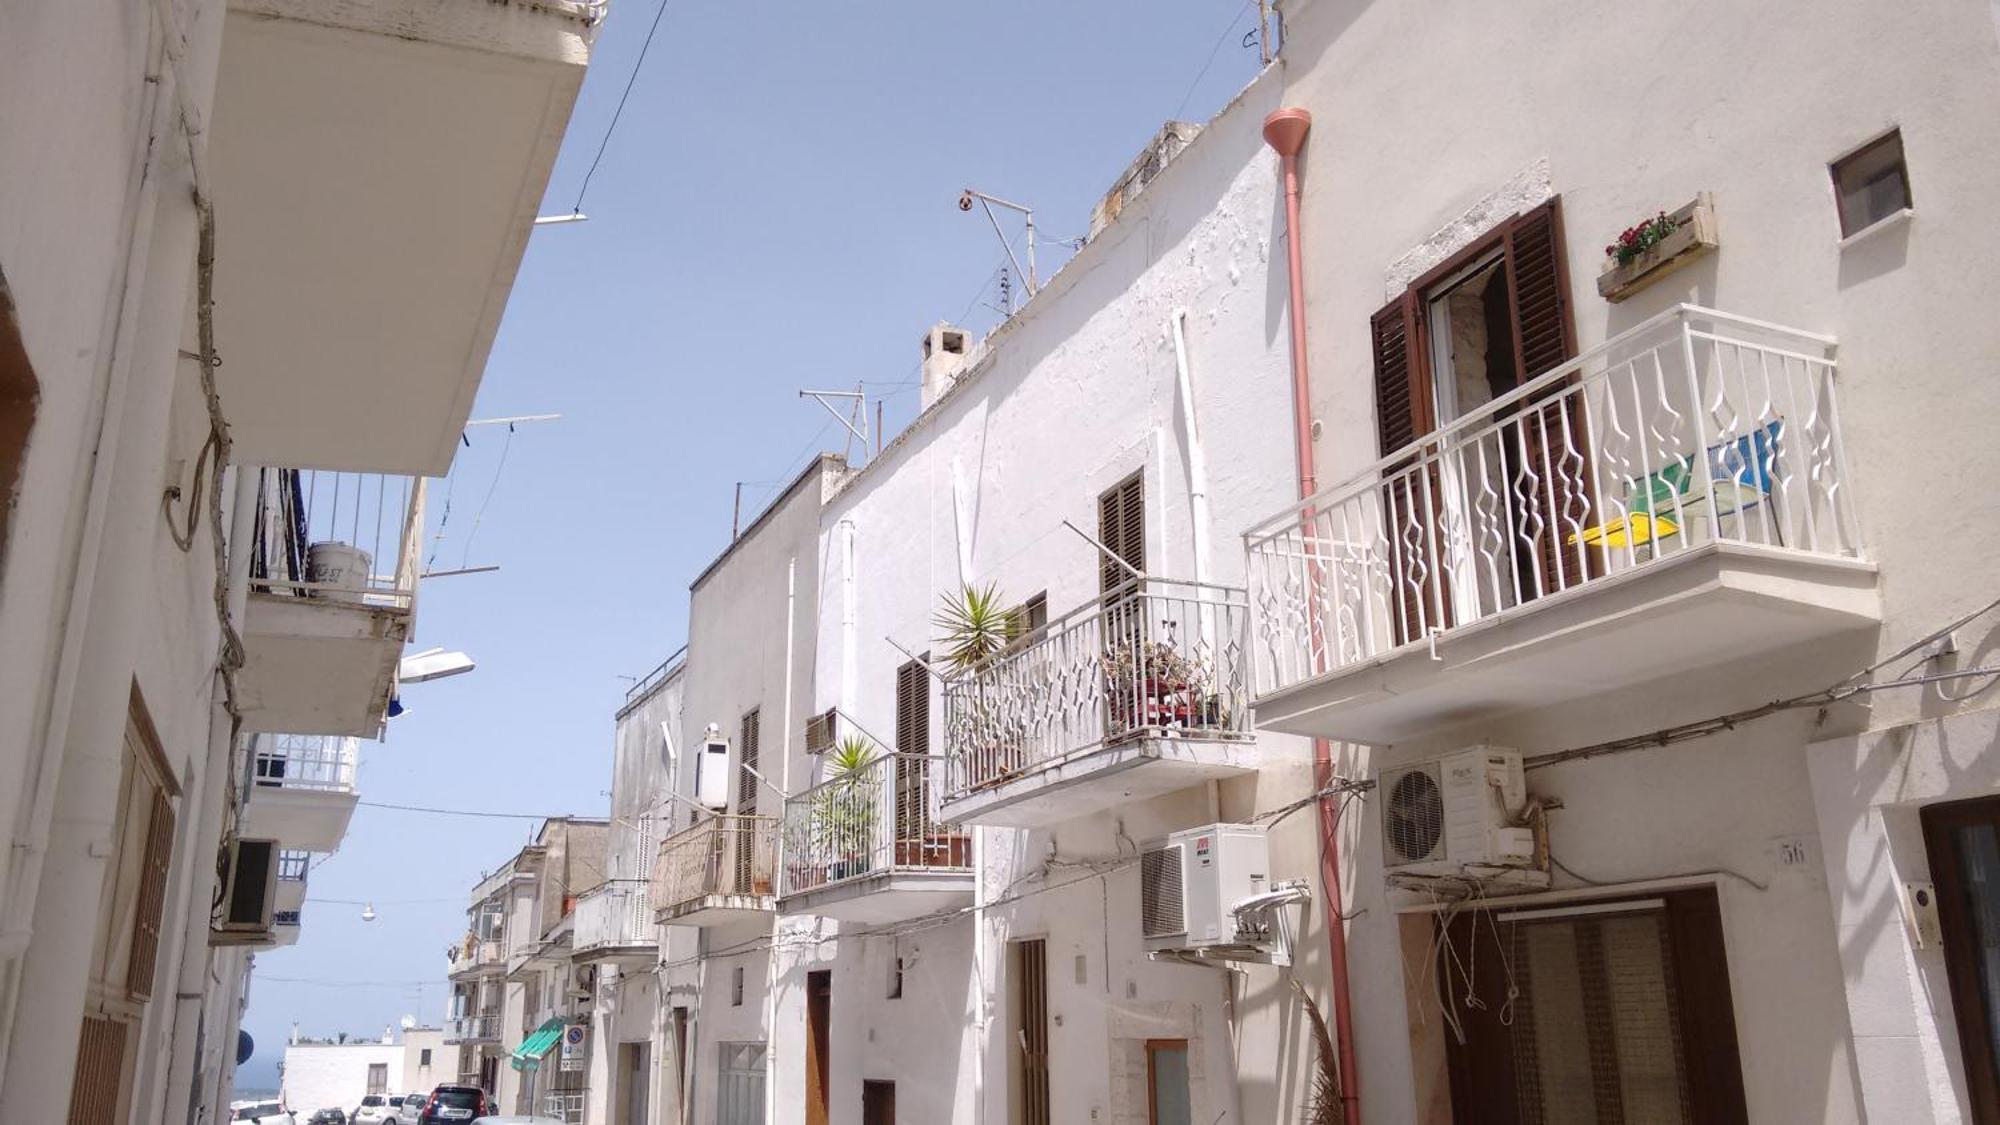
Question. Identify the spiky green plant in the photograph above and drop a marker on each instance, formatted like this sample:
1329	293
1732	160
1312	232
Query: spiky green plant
844	812
976	623
1323	1101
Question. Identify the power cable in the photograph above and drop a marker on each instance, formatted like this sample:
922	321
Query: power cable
506	445
633	78
1212	53
469	812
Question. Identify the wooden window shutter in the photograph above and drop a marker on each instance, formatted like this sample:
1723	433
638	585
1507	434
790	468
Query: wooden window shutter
913	710
746	783
1538	281
1402	387
1121	526
97	1089
153	869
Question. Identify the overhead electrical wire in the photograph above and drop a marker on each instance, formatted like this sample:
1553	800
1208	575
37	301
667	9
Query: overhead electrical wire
611	128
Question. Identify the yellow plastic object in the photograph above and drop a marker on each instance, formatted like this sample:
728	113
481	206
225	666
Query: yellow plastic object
1627	531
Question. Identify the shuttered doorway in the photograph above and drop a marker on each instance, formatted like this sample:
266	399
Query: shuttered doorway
1031	1030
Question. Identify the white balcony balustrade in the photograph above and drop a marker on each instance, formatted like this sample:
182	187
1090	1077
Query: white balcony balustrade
302	790
615	920
333	587
1140	692
565	1106
483	1027
720	870
288	902
874	846
1676	497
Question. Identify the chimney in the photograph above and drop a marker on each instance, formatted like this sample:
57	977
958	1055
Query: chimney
945	349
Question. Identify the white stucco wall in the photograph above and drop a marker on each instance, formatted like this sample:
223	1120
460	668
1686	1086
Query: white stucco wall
322	1075
1837	1020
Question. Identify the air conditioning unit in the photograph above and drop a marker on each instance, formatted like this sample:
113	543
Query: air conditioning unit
1189	883
1458	815
249	892
711	775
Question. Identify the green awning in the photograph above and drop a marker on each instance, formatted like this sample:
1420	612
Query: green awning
529	1054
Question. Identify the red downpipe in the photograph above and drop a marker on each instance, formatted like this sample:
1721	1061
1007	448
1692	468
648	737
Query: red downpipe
1285	131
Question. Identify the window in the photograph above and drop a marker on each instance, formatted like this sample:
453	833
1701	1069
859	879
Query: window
746	779
1963	839
1168	1098
913	745
424	1057
1493	317
822	731
1121	526
1871	183
378	1078
736	987
896	977
1620	1011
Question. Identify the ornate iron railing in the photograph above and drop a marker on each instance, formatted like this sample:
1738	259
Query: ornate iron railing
1151	658
879	819
612	914
321	762
723	855
1693	427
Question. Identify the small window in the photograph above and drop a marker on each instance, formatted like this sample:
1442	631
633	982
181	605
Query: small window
821	731
424	1057
736	987
896	977
1871	183
1035	613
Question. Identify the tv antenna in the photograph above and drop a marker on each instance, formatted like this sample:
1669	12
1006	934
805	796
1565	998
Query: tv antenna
856	418
987	203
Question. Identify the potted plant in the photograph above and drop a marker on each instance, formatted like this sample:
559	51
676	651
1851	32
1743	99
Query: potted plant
976	625
1651	249
1151	684
844	810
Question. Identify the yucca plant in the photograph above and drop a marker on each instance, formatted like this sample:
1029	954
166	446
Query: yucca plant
843	810
976	623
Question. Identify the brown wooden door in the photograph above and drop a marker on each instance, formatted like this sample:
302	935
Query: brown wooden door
878	1102
1608	1010
1031	1029
1963	838
819	1023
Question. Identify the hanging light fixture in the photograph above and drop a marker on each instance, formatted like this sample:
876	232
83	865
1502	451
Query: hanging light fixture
368	912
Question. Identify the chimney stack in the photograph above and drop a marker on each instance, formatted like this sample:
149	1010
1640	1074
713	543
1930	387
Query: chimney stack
945	350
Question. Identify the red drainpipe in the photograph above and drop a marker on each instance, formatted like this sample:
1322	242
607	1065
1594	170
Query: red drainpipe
1285	131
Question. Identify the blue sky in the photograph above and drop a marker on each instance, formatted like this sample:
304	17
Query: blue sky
776	210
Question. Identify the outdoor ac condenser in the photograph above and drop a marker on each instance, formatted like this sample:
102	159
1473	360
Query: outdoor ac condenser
1457	815
1190	882
249	891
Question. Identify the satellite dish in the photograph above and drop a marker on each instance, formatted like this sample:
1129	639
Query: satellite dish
408	1022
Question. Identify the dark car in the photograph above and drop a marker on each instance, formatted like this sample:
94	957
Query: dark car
328	1117
455	1105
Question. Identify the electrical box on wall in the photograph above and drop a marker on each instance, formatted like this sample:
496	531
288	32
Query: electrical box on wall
711	775
1190	883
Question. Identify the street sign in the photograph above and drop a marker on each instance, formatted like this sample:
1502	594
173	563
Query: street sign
572	1046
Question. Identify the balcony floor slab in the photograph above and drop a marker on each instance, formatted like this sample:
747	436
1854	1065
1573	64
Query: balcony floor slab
306	820
897	895
718	910
1706	607
1132	769
319	665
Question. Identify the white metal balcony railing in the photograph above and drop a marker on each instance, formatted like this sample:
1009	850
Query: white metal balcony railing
723	855
341	537
615	913
472	952
322	762
480	1027
564	1105
1694	427
880	819
1151	658
293	865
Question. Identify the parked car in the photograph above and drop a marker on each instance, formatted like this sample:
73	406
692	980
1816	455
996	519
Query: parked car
455	1105
373	1110
517	1121
261	1113
329	1116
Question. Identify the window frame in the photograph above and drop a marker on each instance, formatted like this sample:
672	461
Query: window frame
1902	166
1961	944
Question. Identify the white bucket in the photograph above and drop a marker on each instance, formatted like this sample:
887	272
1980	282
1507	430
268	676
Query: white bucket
340	565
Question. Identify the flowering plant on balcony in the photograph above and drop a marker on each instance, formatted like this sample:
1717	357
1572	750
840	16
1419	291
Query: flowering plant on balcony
1636	240
1152	684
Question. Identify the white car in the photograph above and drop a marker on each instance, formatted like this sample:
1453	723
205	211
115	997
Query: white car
374	1110
261	1113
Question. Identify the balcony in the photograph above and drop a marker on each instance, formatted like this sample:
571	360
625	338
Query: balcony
873	846
1674	499
333	589
1140	692
289	900
481	1028
565	1106
302	792
614	920
474	956
717	871
380	163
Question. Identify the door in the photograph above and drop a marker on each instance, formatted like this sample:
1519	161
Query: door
819	1022
878	1102
1031	1031
1963	839
1169	1100
1614	1010
633	1068
739	1089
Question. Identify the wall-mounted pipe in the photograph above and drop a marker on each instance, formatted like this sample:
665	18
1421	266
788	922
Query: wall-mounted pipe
1285	131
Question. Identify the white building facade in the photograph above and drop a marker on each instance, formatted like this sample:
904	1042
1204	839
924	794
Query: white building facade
189	398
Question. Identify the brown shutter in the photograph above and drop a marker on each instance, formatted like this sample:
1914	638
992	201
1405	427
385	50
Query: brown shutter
746	784
1545	338
1121	526
820	731
97	1090
913	742
1402	390
913	710
153	869
1537	279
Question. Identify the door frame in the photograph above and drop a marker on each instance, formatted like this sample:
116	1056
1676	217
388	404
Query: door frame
1961	944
